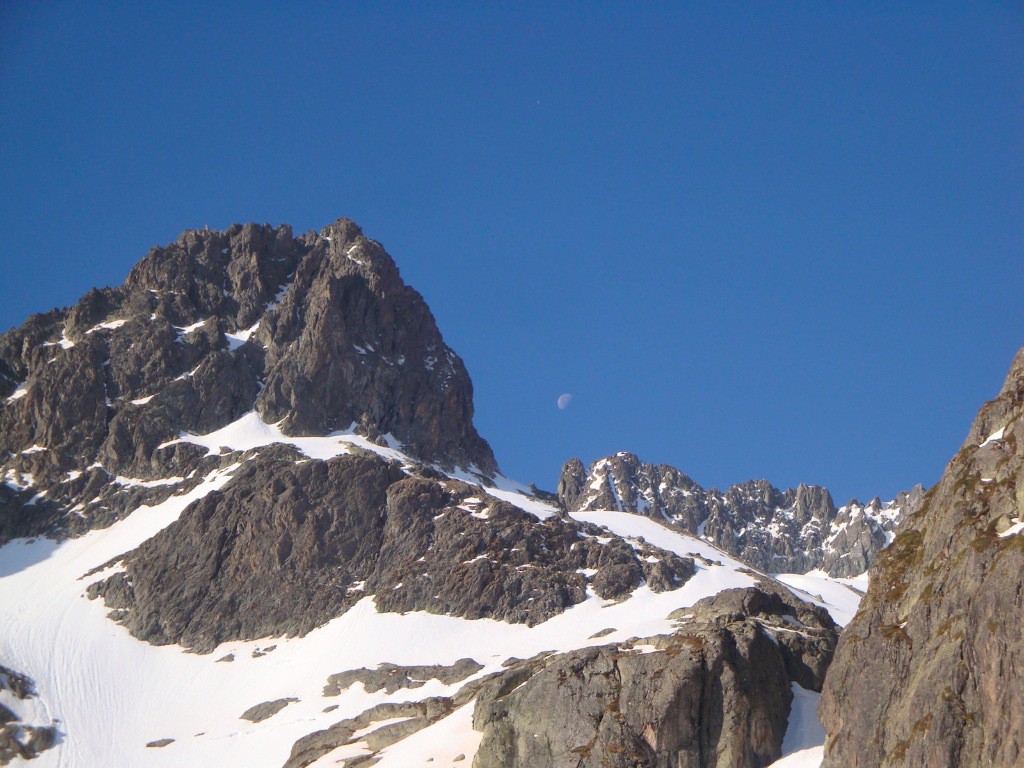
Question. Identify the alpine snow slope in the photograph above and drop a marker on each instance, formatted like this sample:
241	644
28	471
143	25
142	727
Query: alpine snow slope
246	520
112	694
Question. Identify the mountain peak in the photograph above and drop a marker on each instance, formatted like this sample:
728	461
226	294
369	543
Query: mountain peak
317	334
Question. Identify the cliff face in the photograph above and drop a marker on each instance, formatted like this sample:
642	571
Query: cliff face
929	672
316	334
779	531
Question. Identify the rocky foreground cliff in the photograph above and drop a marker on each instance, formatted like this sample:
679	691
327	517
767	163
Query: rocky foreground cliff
931	670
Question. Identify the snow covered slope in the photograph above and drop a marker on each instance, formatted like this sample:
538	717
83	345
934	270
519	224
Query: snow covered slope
113	694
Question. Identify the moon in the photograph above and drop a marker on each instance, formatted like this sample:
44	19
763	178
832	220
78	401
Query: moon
563	401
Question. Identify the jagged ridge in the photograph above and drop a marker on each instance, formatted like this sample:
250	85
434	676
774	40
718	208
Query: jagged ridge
791	531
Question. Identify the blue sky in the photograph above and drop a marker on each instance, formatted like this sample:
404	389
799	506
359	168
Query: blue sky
777	240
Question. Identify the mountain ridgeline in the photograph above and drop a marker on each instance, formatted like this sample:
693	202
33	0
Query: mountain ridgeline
791	531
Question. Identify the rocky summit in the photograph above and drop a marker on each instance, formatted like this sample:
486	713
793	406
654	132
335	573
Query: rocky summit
791	531
246	520
315	334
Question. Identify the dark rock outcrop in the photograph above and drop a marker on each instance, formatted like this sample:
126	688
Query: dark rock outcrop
20	686
572	483
264	711
290	543
791	531
20	739
715	693
25	741
414	715
929	671
392	677
317	333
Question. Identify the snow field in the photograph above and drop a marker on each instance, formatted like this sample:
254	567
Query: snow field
113	694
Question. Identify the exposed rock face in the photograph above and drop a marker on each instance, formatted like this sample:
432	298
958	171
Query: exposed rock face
260	712
773	530
20	739
317	332
414	715
717	692
624	483
792	531
290	543
929	672
392	677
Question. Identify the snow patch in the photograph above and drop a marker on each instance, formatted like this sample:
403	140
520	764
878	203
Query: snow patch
239	338
805	758
994	437
349	255
64	342
250	431
1017	527
189	374
18	481
442	742
185	330
110	325
841	600
804	729
134	482
19	393
279	297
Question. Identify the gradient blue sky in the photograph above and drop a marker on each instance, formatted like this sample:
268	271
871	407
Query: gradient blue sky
780	240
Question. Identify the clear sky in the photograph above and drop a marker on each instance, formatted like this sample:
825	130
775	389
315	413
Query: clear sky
781	240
